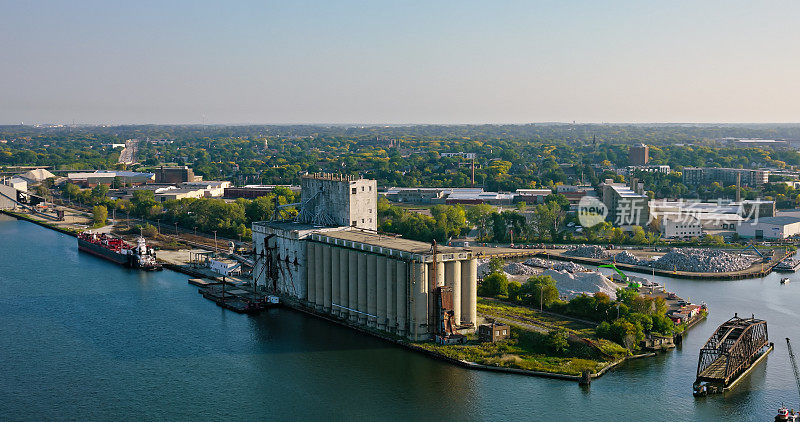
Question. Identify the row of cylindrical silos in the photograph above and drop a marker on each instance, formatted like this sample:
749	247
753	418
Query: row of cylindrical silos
387	293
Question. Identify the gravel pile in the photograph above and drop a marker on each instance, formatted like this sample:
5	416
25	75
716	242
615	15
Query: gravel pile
574	284
556	265
483	268
626	257
587	251
703	260
516	268
570	267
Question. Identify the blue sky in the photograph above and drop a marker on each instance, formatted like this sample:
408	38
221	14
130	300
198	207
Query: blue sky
398	62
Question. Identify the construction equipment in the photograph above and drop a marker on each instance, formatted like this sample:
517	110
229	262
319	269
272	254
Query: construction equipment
614	267
763	258
794	364
632	284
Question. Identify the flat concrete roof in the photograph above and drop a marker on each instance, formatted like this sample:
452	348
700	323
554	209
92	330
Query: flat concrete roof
389	242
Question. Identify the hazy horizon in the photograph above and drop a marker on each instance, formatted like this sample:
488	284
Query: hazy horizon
409	63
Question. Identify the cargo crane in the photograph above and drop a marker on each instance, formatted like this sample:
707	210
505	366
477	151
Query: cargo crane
794	364
784	414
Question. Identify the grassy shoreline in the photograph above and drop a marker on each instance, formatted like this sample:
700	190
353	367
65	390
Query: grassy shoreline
528	348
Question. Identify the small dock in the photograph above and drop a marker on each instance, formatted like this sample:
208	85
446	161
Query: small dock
203	282
239	300
788	265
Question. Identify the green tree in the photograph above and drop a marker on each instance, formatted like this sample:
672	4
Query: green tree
539	291
557	340
479	217
496	265
639	236
514	291
99	215
493	285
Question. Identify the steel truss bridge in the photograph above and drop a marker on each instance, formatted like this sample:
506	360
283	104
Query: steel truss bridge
731	350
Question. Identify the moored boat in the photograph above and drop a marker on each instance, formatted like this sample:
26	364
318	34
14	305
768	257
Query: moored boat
116	250
785	415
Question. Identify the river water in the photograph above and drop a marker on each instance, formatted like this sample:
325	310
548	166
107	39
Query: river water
81	338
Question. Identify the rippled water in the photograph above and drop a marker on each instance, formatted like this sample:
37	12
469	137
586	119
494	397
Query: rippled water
81	338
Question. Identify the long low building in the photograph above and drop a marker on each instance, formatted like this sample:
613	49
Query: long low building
770	228
106	177
255	191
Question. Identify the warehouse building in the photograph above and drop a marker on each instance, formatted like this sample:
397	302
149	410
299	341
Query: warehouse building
106	177
359	276
770	228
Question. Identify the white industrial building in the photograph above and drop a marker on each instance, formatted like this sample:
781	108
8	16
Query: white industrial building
357	275
8	196
770	228
676	226
17	183
210	188
711	216
225	267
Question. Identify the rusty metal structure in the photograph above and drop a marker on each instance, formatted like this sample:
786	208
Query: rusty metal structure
731	350
445	318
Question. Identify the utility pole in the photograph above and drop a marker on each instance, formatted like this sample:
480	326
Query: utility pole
159	226
215	242
541	297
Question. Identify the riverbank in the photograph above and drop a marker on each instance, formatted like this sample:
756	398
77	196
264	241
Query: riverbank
524	354
755	271
44	223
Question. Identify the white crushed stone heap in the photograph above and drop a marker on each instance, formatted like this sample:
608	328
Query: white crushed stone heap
484	270
574	284
556	265
587	251
516	268
626	257
704	260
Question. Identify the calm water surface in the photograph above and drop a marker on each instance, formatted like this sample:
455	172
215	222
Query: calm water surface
81	338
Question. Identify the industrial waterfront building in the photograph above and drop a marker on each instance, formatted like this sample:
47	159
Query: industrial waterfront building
354	274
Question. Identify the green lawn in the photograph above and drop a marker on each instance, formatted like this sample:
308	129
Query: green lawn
528	349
